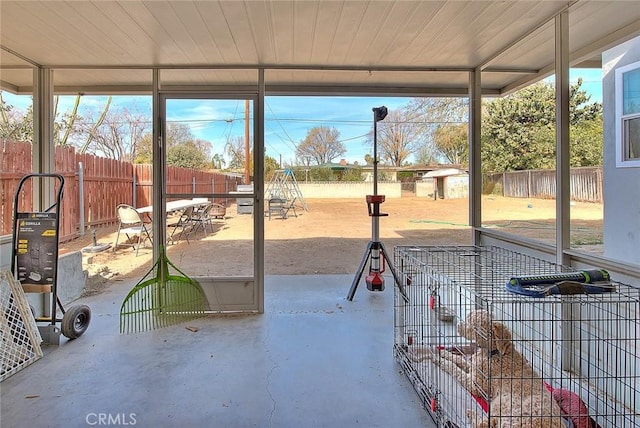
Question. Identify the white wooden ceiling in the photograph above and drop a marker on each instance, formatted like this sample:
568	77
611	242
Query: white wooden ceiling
338	47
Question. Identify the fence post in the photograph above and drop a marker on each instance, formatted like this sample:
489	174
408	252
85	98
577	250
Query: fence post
193	184
81	195
226	190
134	186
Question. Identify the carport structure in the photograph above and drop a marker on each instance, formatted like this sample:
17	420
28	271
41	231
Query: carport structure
246	50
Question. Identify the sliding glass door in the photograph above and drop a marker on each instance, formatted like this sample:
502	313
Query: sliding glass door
213	226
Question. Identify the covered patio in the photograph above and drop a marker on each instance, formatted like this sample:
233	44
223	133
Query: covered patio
302	355
174	50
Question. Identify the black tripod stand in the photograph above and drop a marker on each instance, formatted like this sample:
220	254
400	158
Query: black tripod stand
375	251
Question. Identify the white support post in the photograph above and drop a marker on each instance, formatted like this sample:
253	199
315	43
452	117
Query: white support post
563	188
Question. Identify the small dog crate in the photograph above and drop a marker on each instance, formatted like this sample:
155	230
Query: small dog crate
585	345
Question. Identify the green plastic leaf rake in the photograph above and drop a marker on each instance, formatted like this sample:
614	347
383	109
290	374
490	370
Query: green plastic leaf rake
161	300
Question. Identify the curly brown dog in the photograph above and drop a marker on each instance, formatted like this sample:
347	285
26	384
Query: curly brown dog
517	396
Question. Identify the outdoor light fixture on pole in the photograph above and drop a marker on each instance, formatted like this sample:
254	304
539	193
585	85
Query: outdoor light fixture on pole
375	251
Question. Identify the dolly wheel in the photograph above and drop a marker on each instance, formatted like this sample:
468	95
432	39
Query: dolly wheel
75	321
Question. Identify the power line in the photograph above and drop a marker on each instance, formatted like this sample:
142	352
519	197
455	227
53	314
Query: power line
281	127
355	138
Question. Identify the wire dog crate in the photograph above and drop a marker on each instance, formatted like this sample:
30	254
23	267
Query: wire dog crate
584	348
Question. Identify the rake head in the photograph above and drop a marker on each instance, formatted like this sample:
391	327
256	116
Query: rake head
161	300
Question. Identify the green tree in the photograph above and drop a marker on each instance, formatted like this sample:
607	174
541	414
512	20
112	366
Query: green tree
353	174
217	161
452	141
586	143
321	174
518	131
321	144
186	155
183	149
144	152
271	165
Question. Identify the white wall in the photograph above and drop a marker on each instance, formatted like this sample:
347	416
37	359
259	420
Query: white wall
424	188
5	252
621	185
348	189
71	277
455	187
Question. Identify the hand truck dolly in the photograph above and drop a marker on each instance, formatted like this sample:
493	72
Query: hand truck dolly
34	260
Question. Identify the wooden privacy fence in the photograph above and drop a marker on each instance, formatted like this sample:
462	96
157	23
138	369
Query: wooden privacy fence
95	185
585	183
180	180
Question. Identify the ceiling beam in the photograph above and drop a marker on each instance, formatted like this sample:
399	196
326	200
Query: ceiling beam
273	89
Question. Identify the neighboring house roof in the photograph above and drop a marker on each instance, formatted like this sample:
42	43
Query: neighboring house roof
343	166
335	166
445	172
431	167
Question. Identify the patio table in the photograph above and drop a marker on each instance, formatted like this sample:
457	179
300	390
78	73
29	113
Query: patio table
179	205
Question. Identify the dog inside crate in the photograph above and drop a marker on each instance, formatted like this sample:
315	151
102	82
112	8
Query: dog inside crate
503	360
501	379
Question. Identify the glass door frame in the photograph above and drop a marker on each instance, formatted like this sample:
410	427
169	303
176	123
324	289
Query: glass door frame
257	100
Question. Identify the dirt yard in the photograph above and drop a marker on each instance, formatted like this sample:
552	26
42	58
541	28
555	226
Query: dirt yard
331	237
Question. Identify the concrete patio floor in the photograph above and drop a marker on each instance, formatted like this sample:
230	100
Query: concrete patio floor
313	359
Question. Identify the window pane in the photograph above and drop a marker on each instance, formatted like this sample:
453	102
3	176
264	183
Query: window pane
518	156
631	92
586	147
632	137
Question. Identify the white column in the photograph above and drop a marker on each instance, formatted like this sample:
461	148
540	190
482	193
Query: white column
563	188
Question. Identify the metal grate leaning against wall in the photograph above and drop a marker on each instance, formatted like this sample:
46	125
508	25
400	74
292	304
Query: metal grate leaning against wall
564	359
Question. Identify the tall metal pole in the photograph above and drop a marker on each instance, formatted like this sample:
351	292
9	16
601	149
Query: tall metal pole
247	166
374	264
375	253
375	152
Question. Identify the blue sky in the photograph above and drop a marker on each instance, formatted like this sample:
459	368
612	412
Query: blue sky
287	119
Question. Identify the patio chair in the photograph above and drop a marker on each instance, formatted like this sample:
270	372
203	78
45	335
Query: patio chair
200	219
180	224
130	224
290	206
278	207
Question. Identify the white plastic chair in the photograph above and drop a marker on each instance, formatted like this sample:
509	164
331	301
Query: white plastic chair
131	225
